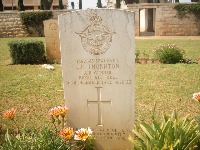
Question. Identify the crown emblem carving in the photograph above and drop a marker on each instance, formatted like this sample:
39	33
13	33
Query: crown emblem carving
96	38
96	19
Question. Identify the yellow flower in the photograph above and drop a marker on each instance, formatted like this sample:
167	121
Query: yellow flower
62	111
10	113
196	96
58	111
67	133
82	134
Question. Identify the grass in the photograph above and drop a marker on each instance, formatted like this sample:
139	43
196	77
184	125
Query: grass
29	88
33	90
191	46
170	86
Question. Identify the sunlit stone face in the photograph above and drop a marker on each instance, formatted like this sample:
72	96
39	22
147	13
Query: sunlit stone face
98	73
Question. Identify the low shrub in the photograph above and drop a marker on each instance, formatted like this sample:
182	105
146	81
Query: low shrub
35	20
168	54
27	52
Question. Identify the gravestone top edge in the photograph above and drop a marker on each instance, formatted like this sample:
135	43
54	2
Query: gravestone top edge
102	9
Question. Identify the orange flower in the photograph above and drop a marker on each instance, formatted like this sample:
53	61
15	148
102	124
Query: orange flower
10	113
67	133
82	134
62	111
58	111
196	96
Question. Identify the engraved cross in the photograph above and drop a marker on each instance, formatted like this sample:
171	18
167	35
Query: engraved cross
54	44
99	102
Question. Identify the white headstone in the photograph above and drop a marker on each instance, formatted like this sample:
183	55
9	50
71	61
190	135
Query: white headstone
97	51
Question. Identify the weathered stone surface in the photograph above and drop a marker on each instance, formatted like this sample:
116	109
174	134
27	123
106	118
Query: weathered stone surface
98	73
52	40
13	18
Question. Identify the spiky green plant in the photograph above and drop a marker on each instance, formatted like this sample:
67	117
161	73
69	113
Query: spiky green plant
171	133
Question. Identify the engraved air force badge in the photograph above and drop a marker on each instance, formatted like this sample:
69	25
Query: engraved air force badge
96	38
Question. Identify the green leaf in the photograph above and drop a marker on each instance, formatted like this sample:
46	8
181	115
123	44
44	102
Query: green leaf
167	125
156	143
197	138
147	130
176	143
8	137
157	127
135	144
139	135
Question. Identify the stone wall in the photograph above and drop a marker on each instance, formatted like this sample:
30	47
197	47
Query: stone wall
168	24
166	21
11	25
